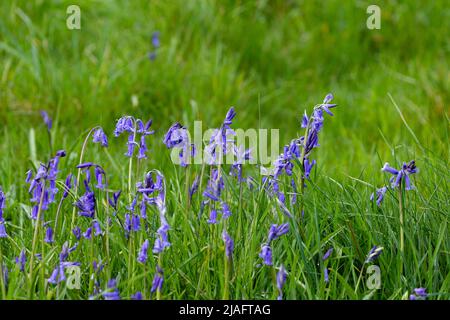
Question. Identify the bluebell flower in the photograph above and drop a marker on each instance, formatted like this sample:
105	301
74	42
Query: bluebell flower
114	200
277	231
419	294
226	212
308	166
380	195
143	252
327	254
213	217
229	244
402	174
99	136
97	228
158	280
3	233
178	137
47	119
127	224
100	177
86	205
88	233
77	232
142	149
266	254
21	260
326	275
49	235
111	293
220	140
374	253
67	185
134	128
162	241
194	187
281	279
137	296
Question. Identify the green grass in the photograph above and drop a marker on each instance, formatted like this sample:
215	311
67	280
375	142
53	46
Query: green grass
271	60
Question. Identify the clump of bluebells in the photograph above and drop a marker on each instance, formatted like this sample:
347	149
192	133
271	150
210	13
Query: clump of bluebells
135	221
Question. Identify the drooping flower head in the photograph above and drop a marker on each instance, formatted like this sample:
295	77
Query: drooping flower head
99	136
277	231
374	253
178	137
402	174
137	131
266	254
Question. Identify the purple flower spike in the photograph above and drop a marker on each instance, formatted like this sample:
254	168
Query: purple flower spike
281	280
99	136
229	244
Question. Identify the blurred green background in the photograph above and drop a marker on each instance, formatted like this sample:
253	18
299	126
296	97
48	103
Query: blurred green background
269	59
